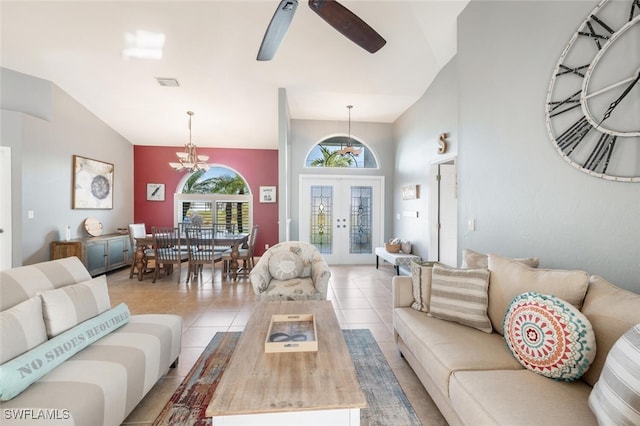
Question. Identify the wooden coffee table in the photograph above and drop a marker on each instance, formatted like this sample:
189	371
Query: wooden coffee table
292	388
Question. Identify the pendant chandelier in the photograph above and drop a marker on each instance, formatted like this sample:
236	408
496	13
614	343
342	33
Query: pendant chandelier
189	160
349	149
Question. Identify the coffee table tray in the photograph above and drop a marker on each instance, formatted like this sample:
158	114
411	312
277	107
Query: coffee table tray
291	333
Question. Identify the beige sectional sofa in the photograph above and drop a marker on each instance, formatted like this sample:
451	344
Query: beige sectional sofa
70	358
472	375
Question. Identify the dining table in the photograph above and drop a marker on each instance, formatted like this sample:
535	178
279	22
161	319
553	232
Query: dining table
231	239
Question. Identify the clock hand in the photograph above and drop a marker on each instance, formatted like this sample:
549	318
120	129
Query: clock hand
606	89
615	103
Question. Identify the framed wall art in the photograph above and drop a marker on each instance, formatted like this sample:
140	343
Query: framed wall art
267	194
410	192
155	192
92	184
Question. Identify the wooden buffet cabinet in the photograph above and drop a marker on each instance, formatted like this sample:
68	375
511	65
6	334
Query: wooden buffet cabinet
99	254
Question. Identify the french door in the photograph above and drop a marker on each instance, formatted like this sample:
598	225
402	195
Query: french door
342	216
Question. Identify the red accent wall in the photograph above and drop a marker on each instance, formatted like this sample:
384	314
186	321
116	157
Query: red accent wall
259	167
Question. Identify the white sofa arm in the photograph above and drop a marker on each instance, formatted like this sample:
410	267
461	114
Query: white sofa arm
402	290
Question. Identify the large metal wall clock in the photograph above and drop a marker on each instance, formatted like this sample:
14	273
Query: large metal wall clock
593	102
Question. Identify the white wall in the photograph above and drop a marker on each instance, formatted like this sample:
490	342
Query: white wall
416	135
42	151
525	199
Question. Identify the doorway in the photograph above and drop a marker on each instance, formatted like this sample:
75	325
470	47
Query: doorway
342	216
444	213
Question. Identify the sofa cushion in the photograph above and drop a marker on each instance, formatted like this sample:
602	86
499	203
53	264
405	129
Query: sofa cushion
421	286
460	295
612	311
68	306
17	374
20	284
104	382
285	265
549	336
474	260
615	398
519	398
444	346
21	328
510	278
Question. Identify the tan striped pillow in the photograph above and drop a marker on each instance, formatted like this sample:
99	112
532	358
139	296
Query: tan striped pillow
21	328
460	295
614	398
68	306
421	286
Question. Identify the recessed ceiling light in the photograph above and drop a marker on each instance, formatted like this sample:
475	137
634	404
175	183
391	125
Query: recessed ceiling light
168	82
143	45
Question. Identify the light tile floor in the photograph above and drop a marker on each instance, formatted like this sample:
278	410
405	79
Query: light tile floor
361	296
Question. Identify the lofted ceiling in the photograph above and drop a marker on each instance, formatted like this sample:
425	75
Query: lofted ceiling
210	48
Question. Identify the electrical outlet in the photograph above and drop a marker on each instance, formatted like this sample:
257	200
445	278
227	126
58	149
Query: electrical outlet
266	246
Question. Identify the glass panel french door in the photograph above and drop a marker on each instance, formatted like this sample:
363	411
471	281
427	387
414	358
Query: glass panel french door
342	216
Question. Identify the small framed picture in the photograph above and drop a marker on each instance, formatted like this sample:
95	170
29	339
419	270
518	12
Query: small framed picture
267	194
410	192
155	192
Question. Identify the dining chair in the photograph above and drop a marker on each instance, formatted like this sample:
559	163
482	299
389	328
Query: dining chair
223	228
139	230
244	254
201	251
169	250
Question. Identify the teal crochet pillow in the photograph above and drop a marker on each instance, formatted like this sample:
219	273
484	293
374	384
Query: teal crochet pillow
549	336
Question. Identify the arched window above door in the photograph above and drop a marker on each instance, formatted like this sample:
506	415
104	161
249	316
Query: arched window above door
341	152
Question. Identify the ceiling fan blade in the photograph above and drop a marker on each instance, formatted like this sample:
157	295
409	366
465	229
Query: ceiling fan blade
277	29
348	23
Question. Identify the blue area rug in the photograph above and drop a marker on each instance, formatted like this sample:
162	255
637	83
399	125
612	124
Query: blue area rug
387	403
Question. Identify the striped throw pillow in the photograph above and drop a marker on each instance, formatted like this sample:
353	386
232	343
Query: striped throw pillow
421	286
21	328
68	306
615	398
460	295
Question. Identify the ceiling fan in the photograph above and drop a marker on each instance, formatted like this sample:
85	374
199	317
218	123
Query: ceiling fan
335	14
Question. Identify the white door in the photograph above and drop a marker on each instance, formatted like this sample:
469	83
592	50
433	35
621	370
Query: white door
342	216
448	215
444	214
5	207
